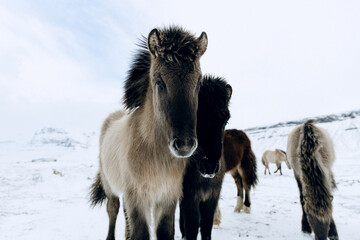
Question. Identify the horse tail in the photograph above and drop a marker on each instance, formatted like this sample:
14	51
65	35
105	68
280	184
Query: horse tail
97	192
316	187
250	169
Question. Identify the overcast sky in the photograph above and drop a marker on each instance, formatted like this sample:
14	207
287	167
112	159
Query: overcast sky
63	63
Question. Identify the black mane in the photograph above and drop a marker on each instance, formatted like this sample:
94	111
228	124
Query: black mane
177	44
137	80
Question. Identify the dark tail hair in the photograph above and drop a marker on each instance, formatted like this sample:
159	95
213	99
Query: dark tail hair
250	169
316	188
97	192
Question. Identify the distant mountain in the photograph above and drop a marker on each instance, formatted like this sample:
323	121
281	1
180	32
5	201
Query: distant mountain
344	130
320	119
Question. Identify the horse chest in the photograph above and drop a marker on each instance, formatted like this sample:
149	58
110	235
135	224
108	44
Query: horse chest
158	182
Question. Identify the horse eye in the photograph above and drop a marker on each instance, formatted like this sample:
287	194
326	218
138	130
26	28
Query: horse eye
160	83
199	84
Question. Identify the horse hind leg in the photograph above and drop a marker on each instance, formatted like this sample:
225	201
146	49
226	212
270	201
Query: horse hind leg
305	226
239	184
266	164
247	203
112	206
278	165
321	228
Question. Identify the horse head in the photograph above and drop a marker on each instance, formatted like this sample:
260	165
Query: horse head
213	114
175	80
284	157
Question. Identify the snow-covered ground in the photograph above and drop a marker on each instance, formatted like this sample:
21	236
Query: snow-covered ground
45	179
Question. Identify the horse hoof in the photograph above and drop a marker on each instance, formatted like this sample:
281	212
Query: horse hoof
334	237
247	209
239	204
237	209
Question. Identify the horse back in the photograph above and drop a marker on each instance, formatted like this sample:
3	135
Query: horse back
236	146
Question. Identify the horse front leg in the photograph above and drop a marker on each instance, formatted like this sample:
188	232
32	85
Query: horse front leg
189	209
165	220
136	215
278	168
207	210
112	207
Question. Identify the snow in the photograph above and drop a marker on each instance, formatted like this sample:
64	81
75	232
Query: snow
45	180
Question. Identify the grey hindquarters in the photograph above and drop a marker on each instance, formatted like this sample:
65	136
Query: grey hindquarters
315	186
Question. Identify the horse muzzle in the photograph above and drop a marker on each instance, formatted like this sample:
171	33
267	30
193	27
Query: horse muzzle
208	169
183	148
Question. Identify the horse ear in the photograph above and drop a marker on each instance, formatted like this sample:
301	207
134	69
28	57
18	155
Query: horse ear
202	44
153	43
228	91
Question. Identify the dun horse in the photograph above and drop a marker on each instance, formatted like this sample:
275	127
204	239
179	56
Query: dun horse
144	150
205	171
311	155
240	161
278	156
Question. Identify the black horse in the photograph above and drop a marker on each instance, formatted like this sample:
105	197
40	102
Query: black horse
206	168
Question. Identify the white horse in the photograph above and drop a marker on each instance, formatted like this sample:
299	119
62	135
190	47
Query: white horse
278	156
311	155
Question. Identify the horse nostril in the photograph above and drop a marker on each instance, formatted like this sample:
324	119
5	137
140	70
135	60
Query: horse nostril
178	144
193	143
189	142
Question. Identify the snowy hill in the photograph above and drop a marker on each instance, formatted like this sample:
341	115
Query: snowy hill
45	179
59	137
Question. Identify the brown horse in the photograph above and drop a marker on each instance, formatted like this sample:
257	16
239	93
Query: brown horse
311	155
144	150
240	161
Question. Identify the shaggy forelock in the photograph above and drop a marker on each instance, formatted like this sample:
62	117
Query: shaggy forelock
177	44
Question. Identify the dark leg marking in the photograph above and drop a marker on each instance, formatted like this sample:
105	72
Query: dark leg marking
112	207
321	229
166	224
137	223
